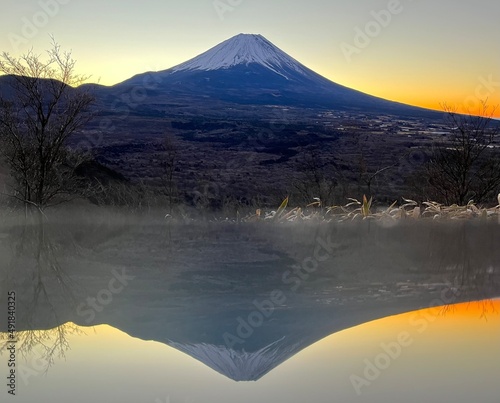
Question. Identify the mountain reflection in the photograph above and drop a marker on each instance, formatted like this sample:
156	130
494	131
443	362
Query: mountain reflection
325	371
242	299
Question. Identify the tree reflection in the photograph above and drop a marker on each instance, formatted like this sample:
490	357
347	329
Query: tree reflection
43	290
42	346
468	256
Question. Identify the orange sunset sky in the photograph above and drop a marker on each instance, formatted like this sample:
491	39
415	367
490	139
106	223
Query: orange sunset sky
423	52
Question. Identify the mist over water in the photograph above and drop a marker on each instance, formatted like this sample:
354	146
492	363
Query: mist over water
242	298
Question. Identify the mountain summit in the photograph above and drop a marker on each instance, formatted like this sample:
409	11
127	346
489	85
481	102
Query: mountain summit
244	49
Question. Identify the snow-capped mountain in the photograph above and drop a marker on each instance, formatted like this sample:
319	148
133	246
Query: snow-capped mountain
240	365
246	69
244	49
249	69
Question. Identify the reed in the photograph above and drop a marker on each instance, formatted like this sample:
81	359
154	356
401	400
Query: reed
363	210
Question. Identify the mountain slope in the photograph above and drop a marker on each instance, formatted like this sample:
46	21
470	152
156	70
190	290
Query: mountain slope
249	69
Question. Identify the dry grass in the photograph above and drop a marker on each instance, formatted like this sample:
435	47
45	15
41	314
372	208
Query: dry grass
363	210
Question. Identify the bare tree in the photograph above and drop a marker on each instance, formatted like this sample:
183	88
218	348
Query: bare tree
168	160
314	178
466	166
368	169
367	176
40	110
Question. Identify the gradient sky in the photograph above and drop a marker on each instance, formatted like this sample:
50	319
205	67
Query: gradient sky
431	52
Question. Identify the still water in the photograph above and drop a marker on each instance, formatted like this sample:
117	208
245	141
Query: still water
121	309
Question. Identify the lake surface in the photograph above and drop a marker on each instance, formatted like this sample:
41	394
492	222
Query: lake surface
125	309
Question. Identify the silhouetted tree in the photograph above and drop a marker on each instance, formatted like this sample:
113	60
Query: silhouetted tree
40	110
466	166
